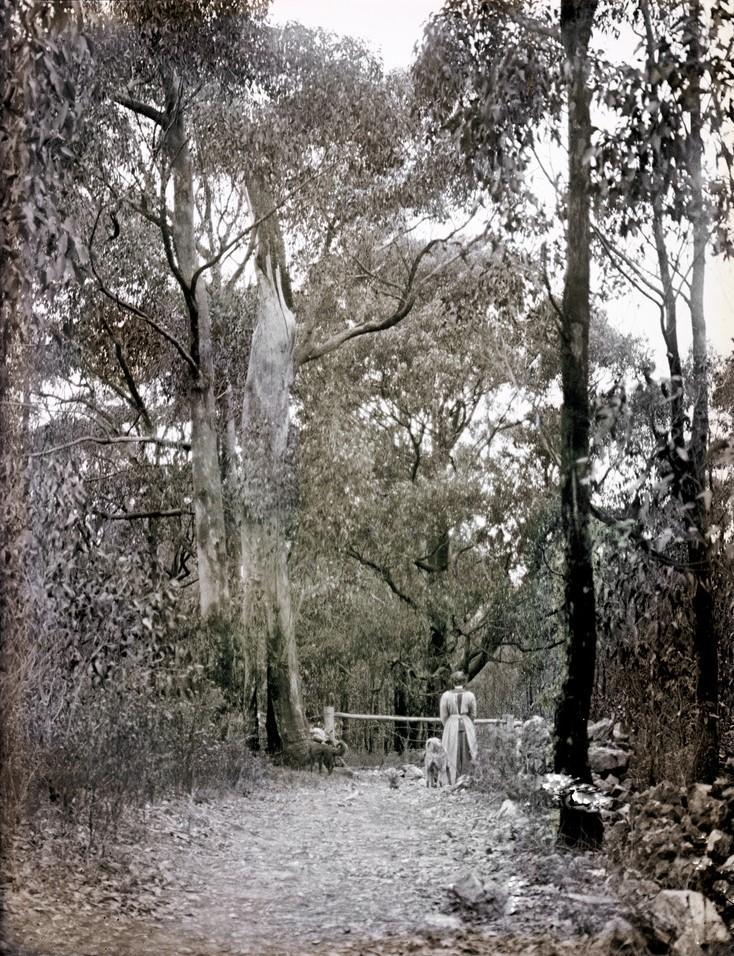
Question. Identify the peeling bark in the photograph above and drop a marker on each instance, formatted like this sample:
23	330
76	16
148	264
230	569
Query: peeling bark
268	488
230	486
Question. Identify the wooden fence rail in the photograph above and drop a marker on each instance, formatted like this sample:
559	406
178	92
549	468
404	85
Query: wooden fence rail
330	714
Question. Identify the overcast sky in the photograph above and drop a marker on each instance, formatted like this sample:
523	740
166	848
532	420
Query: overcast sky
393	27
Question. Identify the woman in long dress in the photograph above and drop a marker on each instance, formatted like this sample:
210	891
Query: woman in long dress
458	713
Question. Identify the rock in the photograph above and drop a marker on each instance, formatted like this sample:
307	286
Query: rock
718	845
698	793
619	936
636	889
509	812
685	913
606	760
686	945
487	899
618	831
411	772
681	872
706	811
665	792
728	867
609	783
601	730
724	888
668	851
652	808
442	921
694	832
468	889
620	734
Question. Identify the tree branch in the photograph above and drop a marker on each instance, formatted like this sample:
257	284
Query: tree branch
136	515
115	440
137	400
366	328
228	246
386	576
637	279
142	109
133	309
534	26
306	352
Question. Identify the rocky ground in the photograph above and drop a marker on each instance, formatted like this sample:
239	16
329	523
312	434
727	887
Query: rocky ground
309	864
312	864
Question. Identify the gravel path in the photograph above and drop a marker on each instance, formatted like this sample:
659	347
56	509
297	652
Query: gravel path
314	865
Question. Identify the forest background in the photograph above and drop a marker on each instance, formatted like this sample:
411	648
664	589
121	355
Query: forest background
308	396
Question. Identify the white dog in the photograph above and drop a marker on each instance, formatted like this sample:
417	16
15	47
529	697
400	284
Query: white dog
435	763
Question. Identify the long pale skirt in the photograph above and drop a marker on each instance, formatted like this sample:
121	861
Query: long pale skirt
460	744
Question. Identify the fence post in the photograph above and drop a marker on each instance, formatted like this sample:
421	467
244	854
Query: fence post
509	722
329	723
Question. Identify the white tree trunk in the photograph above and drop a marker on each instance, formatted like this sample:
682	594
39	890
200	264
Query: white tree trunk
206	476
268	495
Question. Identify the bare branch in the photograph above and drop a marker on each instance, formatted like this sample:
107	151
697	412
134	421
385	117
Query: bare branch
115	440
229	246
386	576
133	309
142	109
235	277
523	648
139	515
75	400
307	352
637	279
168	247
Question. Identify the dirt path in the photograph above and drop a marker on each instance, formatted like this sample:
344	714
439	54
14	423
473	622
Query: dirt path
315	865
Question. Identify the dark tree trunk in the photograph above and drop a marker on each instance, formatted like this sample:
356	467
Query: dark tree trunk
400	705
670	335
437	665
688	465
706	758
438	671
572	712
